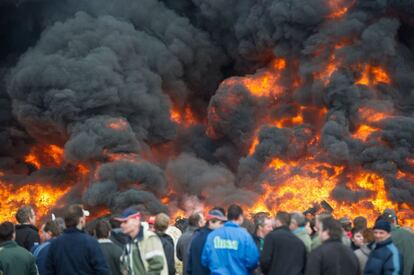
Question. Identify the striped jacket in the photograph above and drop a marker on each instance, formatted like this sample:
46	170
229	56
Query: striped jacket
385	259
144	252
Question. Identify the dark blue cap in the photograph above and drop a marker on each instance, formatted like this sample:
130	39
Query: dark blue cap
128	213
383	225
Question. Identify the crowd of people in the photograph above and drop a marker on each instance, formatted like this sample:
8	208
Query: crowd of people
222	242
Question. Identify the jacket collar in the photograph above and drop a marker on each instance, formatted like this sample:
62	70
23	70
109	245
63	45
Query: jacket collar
231	224
104	241
72	231
384	243
10	243
333	241
26	225
284	228
300	230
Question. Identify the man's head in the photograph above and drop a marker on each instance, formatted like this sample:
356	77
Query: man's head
346	224
262	224
196	220
49	230
74	216
297	220
382	231
390	216
282	219
360	222
161	222
330	229
319	218
103	230
215	219
130	220
6	232
26	215
235	214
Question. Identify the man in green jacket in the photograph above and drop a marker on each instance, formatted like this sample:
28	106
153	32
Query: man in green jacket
144	253
13	258
403	239
297	226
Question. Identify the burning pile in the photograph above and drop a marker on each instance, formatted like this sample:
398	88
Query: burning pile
271	104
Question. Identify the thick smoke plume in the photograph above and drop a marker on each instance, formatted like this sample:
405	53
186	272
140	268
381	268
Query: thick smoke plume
157	103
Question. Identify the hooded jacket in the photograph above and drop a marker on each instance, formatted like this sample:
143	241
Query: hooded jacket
230	250
384	259
403	239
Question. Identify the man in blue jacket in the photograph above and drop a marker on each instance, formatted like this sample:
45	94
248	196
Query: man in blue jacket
215	220
75	252
230	250
385	258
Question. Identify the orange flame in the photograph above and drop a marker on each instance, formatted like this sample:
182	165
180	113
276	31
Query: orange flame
363	132
50	155
373	75
339	7
118	124
41	196
184	119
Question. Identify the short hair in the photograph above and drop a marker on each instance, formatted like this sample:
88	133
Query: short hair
6	231
73	213
360	222
24	214
299	218
102	229
53	227
194	219
234	212
356	230
259	219
368	235
283	217
162	221
333	226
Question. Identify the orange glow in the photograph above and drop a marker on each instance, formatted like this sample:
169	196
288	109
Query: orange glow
42	197
83	169
32	159
363	132
373	75
185	118
265	83
289	121
339	7
371	115
118	124
48	155
252	148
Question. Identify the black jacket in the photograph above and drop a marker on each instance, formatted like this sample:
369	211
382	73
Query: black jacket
168	245
283	253
332	258
112	254
27	235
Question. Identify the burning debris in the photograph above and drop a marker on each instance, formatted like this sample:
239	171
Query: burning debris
280	105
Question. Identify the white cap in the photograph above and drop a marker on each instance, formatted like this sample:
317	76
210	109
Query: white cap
86	213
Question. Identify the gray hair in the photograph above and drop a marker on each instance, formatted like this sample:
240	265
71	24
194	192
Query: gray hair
299	218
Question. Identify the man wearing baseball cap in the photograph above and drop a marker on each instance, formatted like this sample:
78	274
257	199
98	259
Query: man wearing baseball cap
385	258
215	219
143	254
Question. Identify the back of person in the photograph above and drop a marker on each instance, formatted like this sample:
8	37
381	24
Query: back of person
230	250
403	239
16	260
40	252
283	253
74	252
112	253
168	245
335	259
27	236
